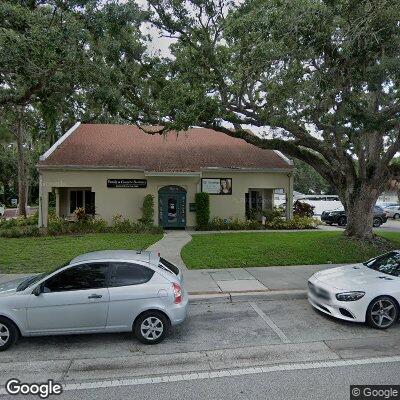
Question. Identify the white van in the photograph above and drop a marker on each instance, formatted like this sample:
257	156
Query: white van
321	202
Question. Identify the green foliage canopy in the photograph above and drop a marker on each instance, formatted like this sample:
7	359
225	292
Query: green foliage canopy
321	79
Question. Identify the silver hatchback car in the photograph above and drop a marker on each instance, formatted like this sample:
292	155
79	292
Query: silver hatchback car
104	291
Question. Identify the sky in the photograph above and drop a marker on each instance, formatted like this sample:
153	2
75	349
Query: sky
159	44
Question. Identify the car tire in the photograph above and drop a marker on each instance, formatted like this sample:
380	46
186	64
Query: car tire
396	216
377	222
382	312
8	333
342	221
151	327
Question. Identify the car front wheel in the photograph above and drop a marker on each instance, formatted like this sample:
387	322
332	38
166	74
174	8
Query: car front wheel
8	334
396	216
151	327
382	313
377	222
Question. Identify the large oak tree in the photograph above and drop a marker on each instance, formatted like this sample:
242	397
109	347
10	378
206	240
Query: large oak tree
321	77
60	61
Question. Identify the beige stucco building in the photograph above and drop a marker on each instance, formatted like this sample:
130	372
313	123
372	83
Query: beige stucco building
110	168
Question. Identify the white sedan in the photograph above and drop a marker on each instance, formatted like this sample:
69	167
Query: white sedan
367	292
2	210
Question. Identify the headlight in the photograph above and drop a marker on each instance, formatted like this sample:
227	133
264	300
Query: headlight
350	296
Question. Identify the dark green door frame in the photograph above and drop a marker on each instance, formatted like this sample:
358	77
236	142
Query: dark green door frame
172	207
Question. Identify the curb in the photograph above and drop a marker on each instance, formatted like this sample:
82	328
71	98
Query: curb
234	297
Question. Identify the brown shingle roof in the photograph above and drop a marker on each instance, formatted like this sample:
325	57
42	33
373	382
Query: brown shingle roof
100	145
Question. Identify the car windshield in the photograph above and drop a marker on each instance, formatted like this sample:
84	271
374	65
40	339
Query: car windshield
33	279
387	264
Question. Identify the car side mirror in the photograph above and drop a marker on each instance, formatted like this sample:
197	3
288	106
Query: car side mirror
38	290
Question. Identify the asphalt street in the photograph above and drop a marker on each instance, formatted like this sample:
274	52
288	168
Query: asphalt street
250	350
318	384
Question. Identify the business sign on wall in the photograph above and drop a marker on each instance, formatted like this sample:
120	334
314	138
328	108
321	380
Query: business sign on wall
127	183
216	185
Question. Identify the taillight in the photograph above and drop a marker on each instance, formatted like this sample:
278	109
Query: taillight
177	293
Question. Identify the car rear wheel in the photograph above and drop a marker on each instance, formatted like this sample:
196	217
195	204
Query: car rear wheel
382	313
377	222
396	216
342	221
8	334
151	327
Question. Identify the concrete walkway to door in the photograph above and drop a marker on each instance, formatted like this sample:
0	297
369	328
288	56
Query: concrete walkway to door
170	247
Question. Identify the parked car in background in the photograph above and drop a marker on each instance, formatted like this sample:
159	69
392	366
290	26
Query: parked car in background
104	291
367	292
2	210
339	217
393	211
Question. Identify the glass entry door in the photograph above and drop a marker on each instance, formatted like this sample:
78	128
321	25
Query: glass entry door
172	207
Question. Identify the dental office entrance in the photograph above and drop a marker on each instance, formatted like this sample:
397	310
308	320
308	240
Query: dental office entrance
172	207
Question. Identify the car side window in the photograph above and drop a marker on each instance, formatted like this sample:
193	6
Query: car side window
81	277
127	274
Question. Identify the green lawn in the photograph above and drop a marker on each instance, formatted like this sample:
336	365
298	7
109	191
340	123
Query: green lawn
225	250
40	254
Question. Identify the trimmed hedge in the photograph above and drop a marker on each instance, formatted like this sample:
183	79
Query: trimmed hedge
59	226
148	210
232	224
202	201
276	223
296	222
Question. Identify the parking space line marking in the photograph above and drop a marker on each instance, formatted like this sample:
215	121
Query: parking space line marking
223	373
270	323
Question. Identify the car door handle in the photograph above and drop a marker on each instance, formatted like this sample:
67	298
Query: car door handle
95	296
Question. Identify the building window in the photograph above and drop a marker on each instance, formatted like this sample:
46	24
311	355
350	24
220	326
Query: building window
75	200
90	202
254	204
256	200
82	198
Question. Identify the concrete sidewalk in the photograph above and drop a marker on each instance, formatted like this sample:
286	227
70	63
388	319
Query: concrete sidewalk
170	247
250	280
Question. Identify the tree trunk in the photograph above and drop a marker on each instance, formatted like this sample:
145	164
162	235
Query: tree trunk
359	212
5	186
22	175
